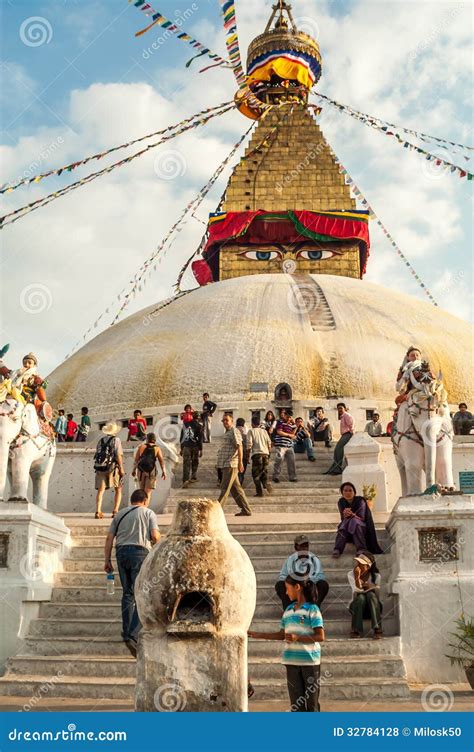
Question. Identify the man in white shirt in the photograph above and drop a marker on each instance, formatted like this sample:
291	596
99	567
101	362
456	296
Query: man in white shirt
374	426
258	447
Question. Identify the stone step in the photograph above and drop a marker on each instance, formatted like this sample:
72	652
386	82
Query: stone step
91	628
299	488
74	665
371	666
322	546
86	687
274	506
336	647
358	688
339	627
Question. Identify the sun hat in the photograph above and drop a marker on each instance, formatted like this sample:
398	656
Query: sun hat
111	428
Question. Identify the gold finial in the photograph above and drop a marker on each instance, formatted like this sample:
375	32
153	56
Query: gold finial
281	22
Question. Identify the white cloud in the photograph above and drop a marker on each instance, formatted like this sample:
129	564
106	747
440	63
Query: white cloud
84	248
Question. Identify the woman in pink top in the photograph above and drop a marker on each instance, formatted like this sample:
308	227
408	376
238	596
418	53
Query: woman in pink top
346	425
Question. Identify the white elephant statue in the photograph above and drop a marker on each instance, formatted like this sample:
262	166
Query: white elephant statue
423	435
31	455
11	411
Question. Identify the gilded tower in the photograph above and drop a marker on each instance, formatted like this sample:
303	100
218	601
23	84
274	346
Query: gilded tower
286	207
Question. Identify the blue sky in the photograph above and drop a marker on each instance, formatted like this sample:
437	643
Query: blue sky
90	84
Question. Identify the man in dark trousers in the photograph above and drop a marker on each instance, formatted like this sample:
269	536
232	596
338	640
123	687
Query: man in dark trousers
191	449
208	410
135	530
300	565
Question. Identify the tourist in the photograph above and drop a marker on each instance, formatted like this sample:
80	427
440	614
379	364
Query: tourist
346	427
134	529
190	440
300	564
284	435
374	426
302	629
60	426
365	580
322	430
84	426
71	428
137	427
463	421
270	423
303	442
230	463
208	410
259	446
240	425
144	465
357	525
187	416
108	466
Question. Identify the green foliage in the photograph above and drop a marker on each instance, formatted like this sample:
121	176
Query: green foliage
463	645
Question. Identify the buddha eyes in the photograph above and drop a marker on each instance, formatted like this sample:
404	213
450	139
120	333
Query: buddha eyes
272	255
261	255
315	255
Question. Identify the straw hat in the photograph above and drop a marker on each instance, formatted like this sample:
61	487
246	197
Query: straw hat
363	559
111	429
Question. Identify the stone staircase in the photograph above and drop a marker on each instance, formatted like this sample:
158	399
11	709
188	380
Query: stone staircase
74	648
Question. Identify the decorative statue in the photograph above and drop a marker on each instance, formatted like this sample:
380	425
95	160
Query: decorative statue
27	445
422	433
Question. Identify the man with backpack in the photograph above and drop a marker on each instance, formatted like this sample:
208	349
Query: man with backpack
108	466
144	465
135	530
191	449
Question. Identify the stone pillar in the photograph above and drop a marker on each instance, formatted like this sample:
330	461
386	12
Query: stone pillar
363	455
196	595
433	577
32	543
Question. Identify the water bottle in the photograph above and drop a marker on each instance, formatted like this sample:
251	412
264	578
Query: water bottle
110	583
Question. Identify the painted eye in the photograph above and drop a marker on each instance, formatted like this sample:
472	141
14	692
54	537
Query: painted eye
315	255
261	255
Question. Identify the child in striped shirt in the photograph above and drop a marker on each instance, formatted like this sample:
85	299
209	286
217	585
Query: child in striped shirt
302	629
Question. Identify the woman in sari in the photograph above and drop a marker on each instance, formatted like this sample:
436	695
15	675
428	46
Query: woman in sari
357	525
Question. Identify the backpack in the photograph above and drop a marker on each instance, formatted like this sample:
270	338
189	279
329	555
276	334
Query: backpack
104	458
147	461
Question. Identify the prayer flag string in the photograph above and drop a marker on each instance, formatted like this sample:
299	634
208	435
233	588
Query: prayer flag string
359	195
39	203
232	40
139	279
11	186
438	161
175	27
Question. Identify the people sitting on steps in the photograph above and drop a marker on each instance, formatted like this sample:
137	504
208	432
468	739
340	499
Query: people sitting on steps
374	427
135	530
365	581
108	467
322	430
302	564
303	440
144	465
137	427
356	525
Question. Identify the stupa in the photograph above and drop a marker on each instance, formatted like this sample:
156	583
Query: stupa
281	295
